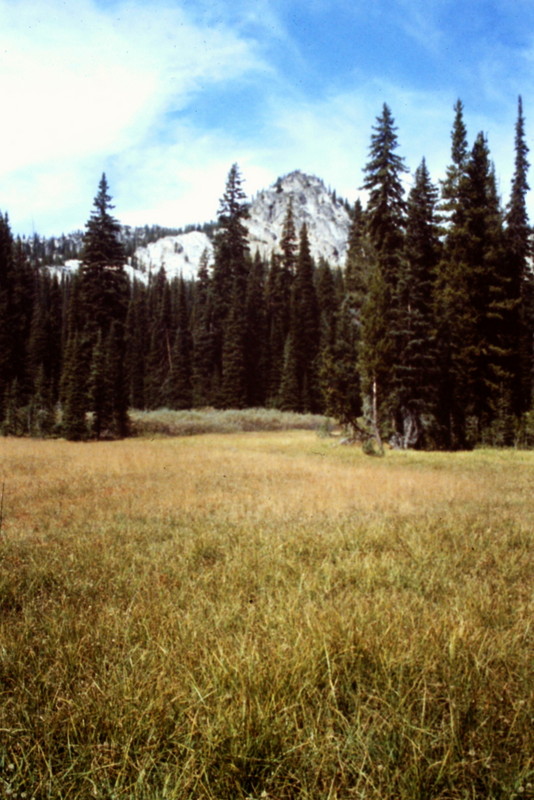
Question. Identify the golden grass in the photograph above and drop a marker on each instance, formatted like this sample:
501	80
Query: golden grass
264	615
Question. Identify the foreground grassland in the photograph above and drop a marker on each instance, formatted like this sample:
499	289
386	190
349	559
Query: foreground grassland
264	615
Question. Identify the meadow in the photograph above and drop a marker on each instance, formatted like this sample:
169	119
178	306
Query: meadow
264	616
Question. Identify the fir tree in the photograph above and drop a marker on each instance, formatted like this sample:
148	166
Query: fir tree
229	284
160	339
471	305
256	334
340	378
278	299
303	349
74	390
385	218
202	335
415	371
97	315
100	389
451	187
233	393
519	275
136	345
7	366
42	413
180	377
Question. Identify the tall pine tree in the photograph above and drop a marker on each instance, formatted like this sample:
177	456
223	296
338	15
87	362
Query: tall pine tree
97	319
415	370
385	217
229	282
519	275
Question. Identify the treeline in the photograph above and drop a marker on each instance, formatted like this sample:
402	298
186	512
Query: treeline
50	251
425	338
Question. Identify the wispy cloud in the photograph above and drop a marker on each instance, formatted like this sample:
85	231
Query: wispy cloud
81	84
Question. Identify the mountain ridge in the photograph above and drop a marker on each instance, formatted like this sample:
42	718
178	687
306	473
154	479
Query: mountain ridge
326	216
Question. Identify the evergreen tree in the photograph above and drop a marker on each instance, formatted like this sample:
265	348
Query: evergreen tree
290	392
136	345
180	377
100	389
45	344
256	334
415	371
160	338
471	306
97	318
74	390
42	414
233	392
340	379
229	284
23	290
116	374
451	204
519	276
327	303
278	300
302	347
202	335
7	366
385	218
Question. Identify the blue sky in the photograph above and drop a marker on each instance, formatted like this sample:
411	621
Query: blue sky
164	95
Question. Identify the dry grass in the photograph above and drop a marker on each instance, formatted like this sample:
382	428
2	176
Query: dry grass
264	615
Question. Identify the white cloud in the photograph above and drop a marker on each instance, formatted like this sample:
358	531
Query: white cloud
80	85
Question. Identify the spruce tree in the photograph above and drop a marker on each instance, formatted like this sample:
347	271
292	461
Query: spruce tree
160	339
100	389
519	276
340	378
229	284
7	358
472	307
450	206
233	391
97	319
302	346
136	345
451	304
44	345
278	299
180	377
74	389
385	219
256	334
202	336
415	370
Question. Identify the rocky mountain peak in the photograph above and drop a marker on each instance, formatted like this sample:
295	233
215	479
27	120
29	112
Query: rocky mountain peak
327	218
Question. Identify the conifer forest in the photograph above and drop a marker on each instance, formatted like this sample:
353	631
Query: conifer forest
424	339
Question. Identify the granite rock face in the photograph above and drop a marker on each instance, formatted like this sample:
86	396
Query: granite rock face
327	219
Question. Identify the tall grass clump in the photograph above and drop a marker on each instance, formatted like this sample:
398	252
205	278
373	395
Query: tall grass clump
264	615
166	422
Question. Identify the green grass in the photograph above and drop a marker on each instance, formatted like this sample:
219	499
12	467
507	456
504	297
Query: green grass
264	615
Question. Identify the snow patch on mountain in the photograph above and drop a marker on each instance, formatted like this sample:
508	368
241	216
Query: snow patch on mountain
178	255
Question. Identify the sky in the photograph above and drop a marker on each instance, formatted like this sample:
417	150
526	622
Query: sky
165	95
